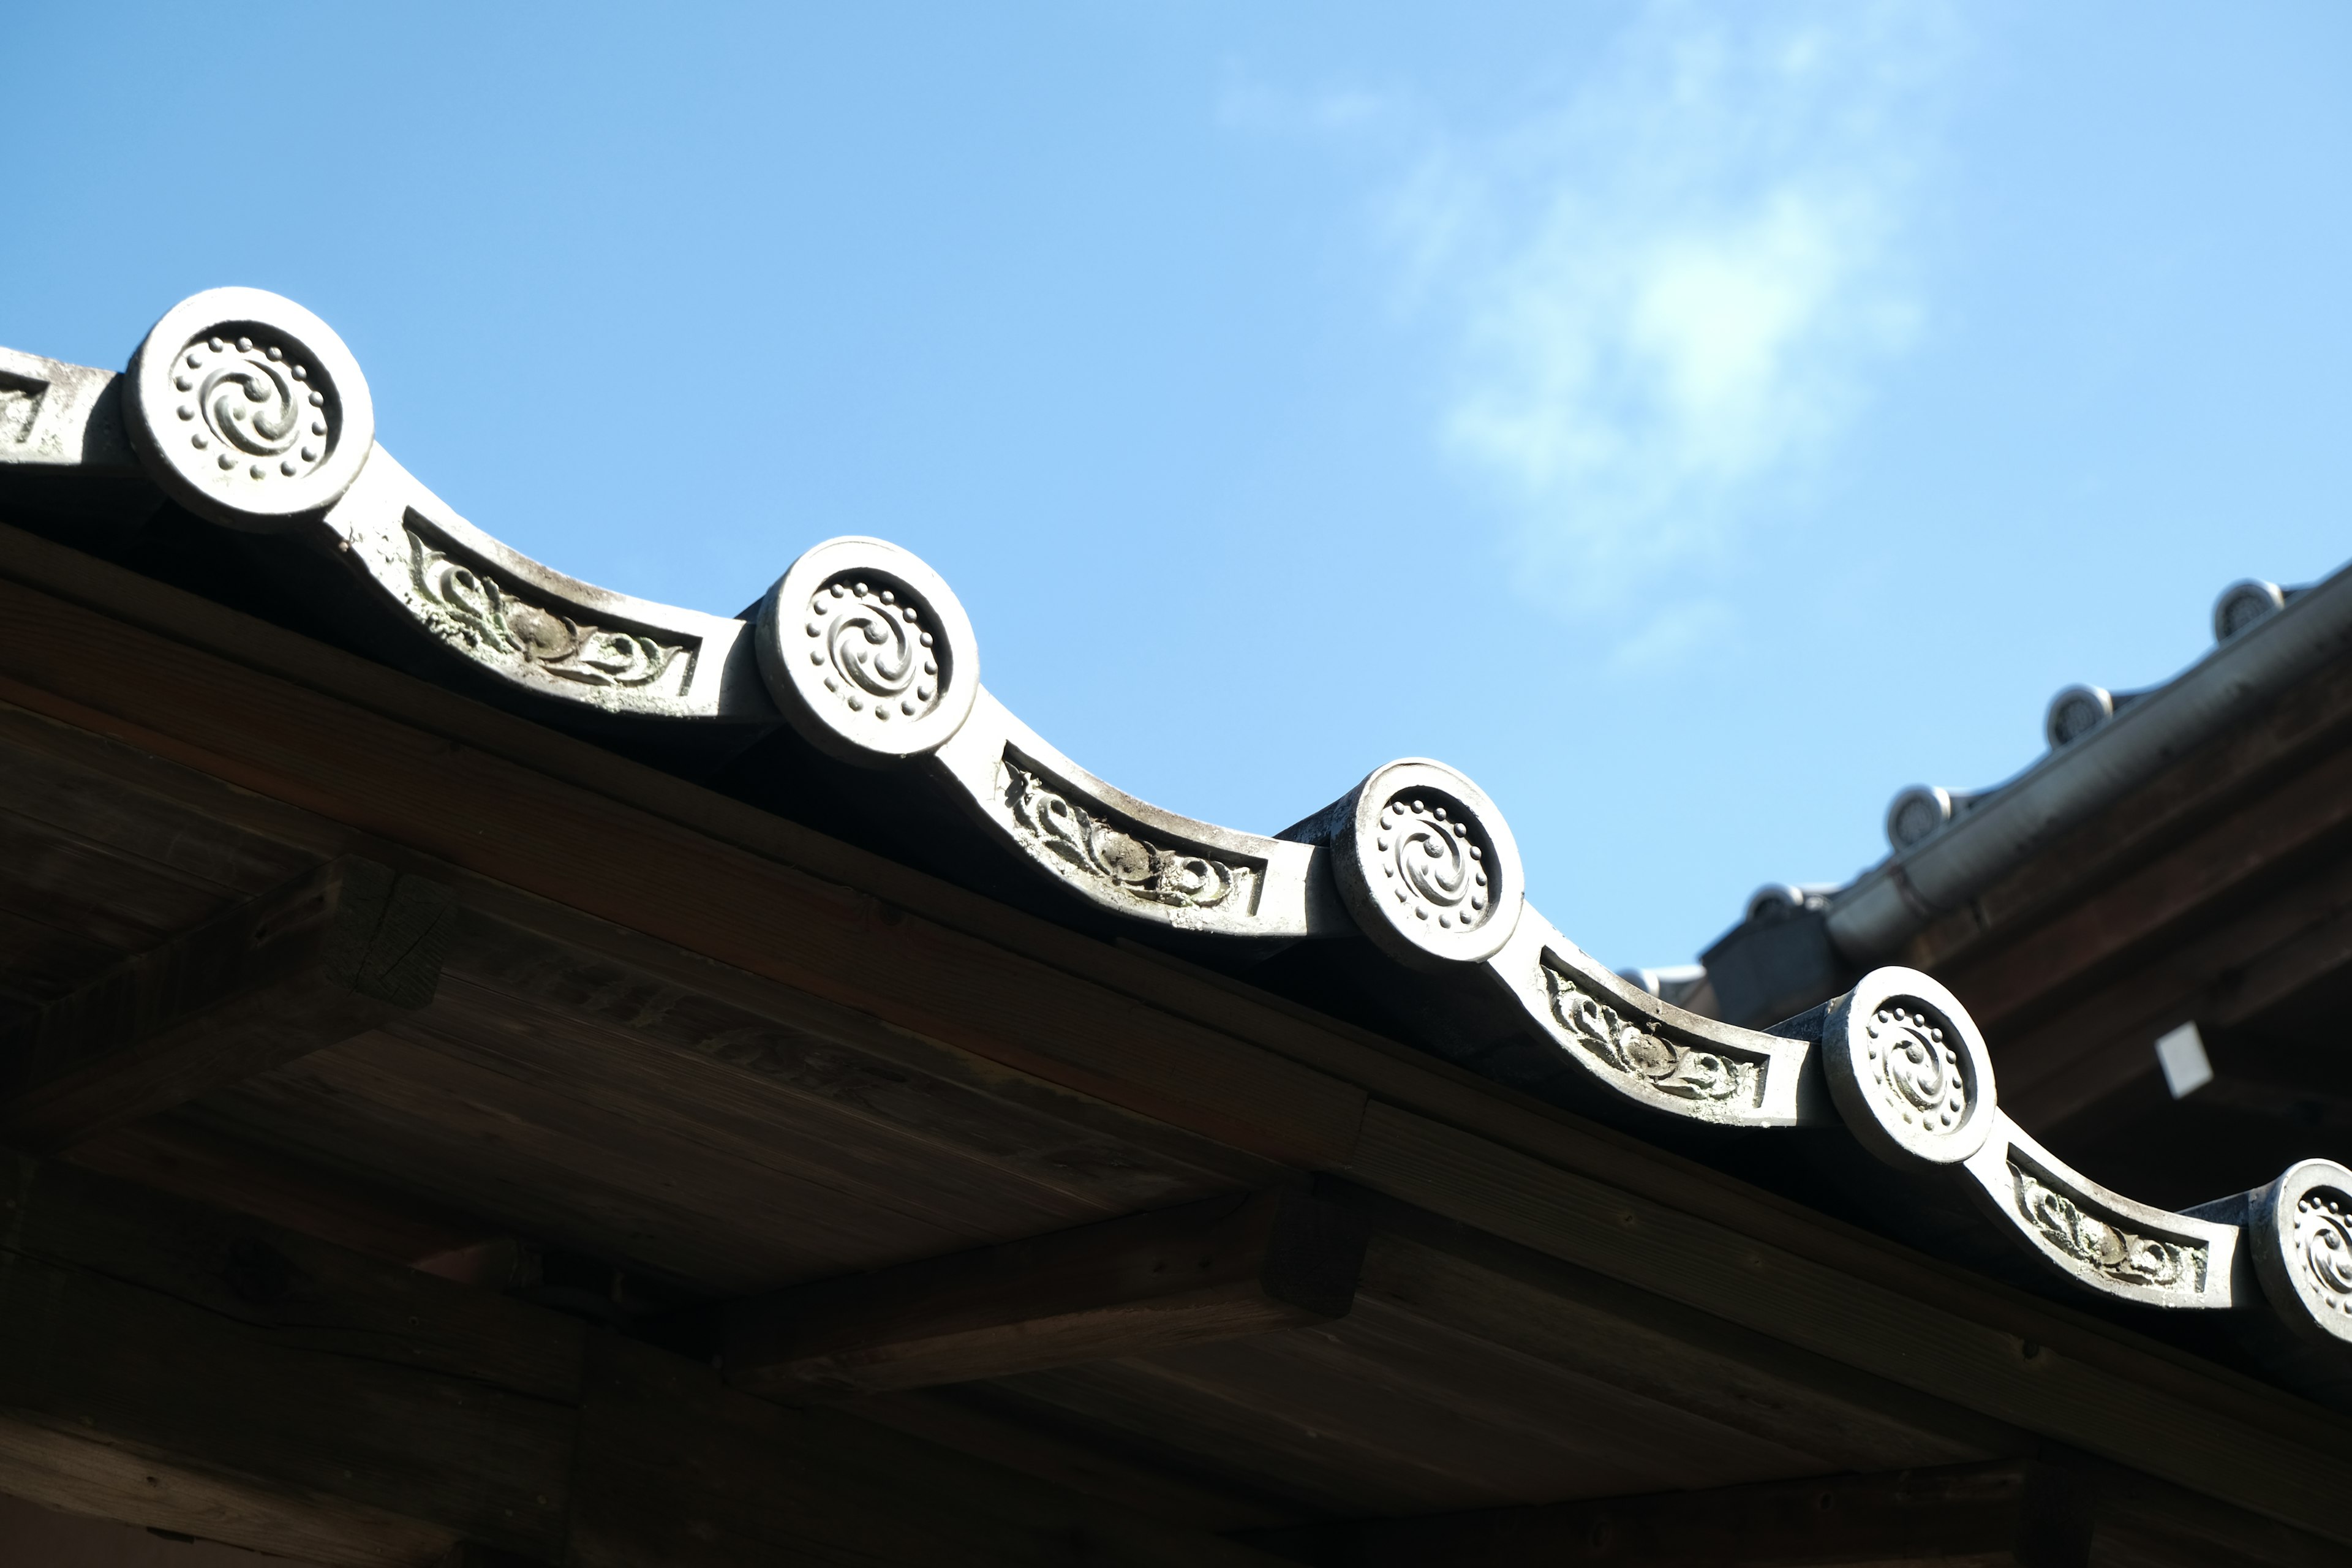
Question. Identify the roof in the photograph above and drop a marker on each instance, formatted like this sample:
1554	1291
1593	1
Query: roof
1795	945
829	761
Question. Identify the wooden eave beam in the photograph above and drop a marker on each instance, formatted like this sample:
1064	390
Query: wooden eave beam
175	1366
329	955
1146	1282
2015	1512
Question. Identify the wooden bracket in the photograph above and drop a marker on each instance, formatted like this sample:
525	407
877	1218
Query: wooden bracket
1126	1287
326	957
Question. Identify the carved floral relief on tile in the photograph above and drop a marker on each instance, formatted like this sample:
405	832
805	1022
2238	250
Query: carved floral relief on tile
1121	861
497	624
2102	1246
1643	1053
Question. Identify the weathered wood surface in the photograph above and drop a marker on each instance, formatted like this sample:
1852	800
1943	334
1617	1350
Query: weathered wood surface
1152	1478
2064	1377
669	1457
2059	1510
1472	1373
722	1036
330	954
584	1100
39	1537
2142	1522
176	1154
89	892
472	1554
1211	1270
176	1367
1340	1422
479	811
1469	1374
600	1077
2015	1514
2085	1041
288	1395
1467	1285
100	870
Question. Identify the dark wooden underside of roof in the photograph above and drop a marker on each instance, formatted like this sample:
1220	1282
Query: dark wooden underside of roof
681	1056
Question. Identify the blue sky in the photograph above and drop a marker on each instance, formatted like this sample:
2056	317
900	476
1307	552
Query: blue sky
1693	422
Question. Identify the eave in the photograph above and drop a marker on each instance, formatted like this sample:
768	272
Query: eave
688	1034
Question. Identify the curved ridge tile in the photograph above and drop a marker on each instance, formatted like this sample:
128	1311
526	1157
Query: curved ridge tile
870	655
1908	1069
1649	1050
532	626
1424	862
1910	1074
2302	1226
248	409
1126	855
2100	1239
2298	1236
868	651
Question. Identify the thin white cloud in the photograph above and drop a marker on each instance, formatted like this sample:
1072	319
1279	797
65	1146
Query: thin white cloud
1669	293
1676	632
1250	104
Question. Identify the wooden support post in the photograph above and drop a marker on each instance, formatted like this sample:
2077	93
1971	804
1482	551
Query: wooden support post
177	1367
1125	1287
326	957
2015	1512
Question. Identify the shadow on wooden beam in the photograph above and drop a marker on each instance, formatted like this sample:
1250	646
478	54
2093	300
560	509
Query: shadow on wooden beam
1126	1287
2013	1512
329	955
